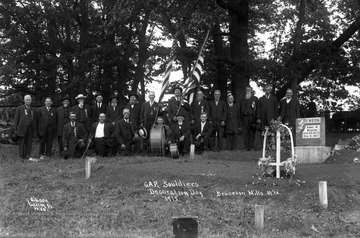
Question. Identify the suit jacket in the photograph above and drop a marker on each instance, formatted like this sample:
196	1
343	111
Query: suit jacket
148	113
114	115
176	132
46	118
217	113
22	118
120	130
232	121
172	109
134	113
62	119
83	115
108	130
268	107
95	111
294	107
68	133
196	109
207	131
253	101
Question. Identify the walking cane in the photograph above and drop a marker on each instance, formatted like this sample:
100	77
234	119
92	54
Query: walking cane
87	147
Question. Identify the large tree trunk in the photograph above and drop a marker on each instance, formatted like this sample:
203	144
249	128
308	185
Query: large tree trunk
83	44
349	32
294	69
143	57
220	82
239	48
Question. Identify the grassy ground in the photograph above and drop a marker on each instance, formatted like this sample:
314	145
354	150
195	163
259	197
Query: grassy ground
117	200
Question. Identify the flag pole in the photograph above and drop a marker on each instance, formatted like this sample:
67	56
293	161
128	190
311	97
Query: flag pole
200	52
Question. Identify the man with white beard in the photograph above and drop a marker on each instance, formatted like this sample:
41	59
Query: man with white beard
248	115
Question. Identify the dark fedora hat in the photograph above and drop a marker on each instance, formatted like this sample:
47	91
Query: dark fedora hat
133	94
13	136
66	97
114	97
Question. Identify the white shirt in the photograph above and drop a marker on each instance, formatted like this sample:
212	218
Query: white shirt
202	126
99	104
216	102
288	100
100	130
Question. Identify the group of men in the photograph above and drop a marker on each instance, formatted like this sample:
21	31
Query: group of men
112	128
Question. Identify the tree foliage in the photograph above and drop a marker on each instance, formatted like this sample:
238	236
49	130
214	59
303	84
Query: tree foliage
58	47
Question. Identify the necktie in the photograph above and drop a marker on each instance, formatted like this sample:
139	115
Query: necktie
99	105
48	108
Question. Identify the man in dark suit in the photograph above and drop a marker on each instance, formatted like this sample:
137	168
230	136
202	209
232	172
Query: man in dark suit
289	110
114	111
217	114
25	128
180	134
248	116
267	108
149	112
198	107
178	106
74	138
98	107
83	112
102	133
47	121
62	114
232	123
135	109
126	133
202	133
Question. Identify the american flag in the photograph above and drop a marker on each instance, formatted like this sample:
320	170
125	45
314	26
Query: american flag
192	82
166	82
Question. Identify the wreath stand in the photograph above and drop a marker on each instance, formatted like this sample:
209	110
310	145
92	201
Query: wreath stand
278	163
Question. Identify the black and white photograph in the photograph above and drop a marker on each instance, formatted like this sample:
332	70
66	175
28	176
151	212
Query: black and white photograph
179	118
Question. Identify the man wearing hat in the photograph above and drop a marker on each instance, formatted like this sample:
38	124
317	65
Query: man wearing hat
232	123
83	112
46	128
114	111
198	107
102	134
74	138
181	135
135	109
248	116
98	107
178	106
62	114
25	128
126	133
148	112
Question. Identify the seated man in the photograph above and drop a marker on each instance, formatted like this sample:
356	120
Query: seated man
102	134
202	134
181	135
74	137
126	133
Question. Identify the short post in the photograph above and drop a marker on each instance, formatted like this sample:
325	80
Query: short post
192	151
259	217
88	162
323	194
278	153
